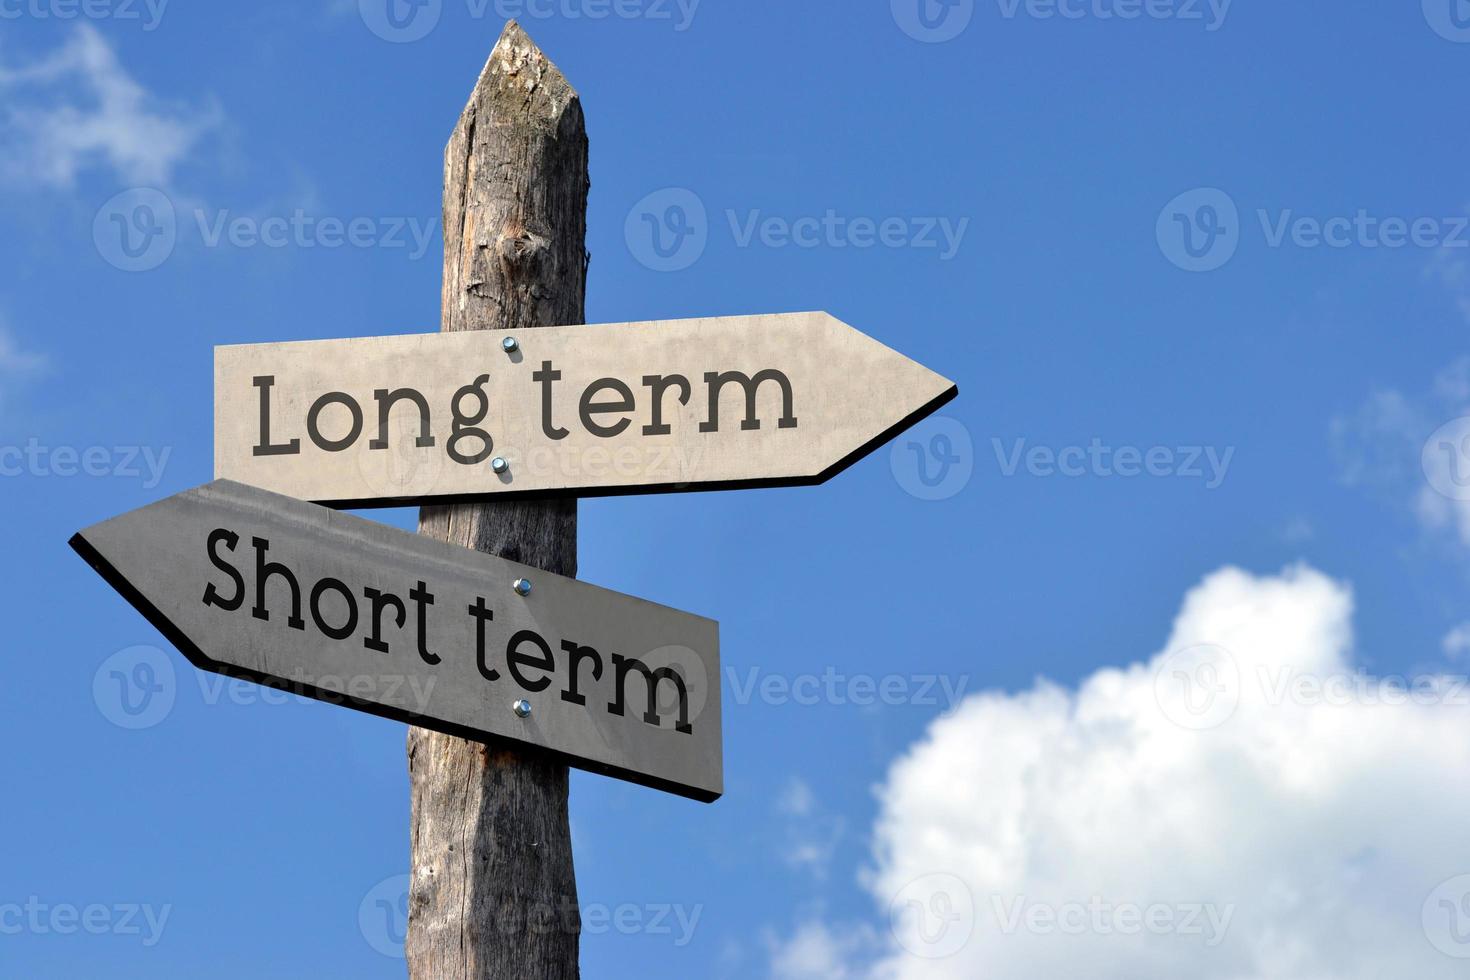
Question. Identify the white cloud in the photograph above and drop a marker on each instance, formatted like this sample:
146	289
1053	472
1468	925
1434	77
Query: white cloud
1294	828
79	108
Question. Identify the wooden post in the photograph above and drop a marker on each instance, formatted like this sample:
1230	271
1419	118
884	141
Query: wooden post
493	893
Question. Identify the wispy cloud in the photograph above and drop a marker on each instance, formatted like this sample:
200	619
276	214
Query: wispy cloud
811	835
1451	269
1413	449
13	360
1456	642
797	800
79	109
815	952
17	364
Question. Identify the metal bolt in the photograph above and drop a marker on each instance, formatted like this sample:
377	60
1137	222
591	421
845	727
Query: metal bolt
510	345
499	464
522	708
522	586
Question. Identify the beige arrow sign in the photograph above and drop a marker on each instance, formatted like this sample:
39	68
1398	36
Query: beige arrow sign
651	407
254	585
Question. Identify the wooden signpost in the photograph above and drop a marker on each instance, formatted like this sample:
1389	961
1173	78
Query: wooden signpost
263	587
623	408
475	631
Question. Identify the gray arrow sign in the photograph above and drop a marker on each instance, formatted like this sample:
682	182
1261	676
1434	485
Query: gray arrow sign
672	405
255	585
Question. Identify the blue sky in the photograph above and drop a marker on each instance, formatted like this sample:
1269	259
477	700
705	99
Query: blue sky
1223	247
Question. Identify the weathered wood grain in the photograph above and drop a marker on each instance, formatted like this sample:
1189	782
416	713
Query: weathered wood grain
493	893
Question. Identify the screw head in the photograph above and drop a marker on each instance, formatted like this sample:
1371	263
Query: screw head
500	465
522	708
522	586
510	345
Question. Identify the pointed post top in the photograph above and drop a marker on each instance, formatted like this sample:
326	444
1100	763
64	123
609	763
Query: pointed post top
515	196
519	78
